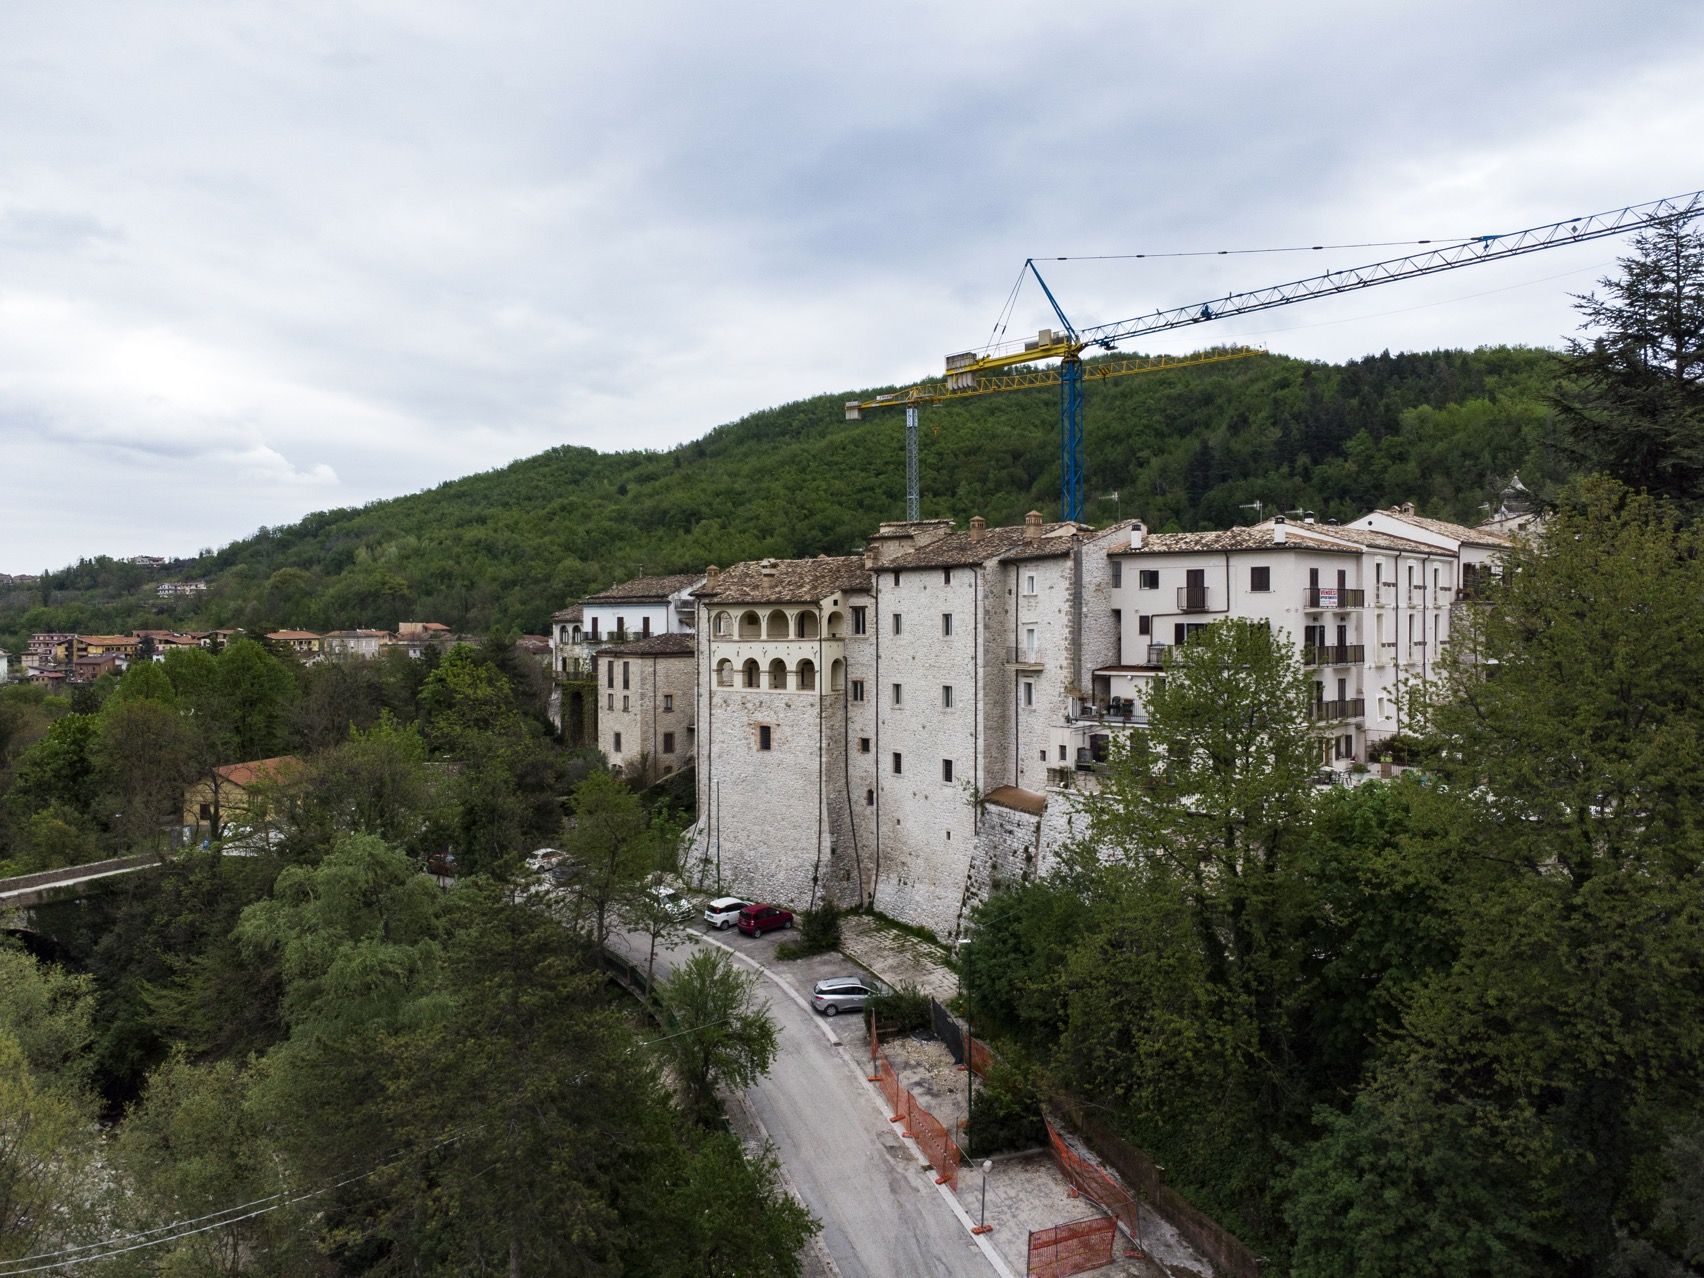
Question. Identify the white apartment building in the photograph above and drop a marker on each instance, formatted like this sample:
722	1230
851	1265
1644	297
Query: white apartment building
640	608
352	644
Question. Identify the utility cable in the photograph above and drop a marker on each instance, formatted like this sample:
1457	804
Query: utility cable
1292	248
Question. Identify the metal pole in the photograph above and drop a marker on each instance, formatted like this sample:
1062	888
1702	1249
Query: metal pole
983	1226
913	503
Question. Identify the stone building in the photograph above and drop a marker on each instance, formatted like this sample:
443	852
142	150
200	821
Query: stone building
646	724
910	727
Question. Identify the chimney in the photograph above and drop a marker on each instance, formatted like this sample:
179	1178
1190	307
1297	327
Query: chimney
1138	534
1280	533
768	568
1032	526
1308	518
978	526
710	574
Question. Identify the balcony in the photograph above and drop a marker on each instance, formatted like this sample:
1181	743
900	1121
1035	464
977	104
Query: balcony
1023	656
1334	654
1321	598
1346	708
1192	599
1159	654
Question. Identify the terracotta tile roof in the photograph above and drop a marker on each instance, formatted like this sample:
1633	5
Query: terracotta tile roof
787	580
357	634
960	549
1444	528
1372	538
244	775
676	645
1010	796
1231	539
569	614
645	589
284	635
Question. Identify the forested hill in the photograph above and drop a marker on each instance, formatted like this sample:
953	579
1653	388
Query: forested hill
1182	449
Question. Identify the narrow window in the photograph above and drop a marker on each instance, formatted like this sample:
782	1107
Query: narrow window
765	737
1029	643
857	690
626	675
946	696
896	623
625	703
1148	578
1260	578
609	675
898	763
897	694
668	703
869	798
863	745
617	743
1062	754
645	627
946	770
1117	573
1029	692
596	622
946	576
611	697
1144	624
1029	583
946	623
668	743
621	626
896	577
860	620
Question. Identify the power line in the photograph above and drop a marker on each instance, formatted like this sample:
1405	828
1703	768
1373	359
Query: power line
1246	252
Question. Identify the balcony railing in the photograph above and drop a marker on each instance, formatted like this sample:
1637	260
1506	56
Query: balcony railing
1345	708
1323	597
1334	654
1192	599
1159	654
1023	656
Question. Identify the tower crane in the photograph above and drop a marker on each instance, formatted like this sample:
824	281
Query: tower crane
967	373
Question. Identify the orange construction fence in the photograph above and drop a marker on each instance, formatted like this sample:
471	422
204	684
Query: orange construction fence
980	1058
1074	1248
932	1138
1098	1185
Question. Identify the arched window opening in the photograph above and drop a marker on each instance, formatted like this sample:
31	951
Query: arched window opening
777	626
807	622
837	676
750	672
751	626
725	673
807	676
778	675
837	625
724	624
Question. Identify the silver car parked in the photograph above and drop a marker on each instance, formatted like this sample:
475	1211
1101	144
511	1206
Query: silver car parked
843	994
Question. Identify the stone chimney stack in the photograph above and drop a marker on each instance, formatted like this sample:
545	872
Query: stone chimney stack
1280	532
1032	526
978	526
768	568
710	575
1138	534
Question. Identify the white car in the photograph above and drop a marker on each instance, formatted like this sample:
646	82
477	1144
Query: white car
672	903
724	912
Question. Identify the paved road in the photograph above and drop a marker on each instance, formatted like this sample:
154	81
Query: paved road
881	1215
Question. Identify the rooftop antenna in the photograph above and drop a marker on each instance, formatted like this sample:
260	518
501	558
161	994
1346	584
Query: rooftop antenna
1257	506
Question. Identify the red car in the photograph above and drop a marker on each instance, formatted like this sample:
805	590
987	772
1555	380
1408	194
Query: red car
755	920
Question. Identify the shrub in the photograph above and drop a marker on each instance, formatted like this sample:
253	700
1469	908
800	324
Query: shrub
819	928
1006	1112
901	1011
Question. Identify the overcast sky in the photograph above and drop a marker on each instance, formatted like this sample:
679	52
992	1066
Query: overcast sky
257	260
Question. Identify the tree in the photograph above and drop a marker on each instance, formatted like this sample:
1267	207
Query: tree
256	693
374	782
144	757
719	1033
1633	401
607	848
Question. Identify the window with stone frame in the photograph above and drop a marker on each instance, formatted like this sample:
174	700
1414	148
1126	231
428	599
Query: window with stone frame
860	619
765	737
857	690
947	770
668	743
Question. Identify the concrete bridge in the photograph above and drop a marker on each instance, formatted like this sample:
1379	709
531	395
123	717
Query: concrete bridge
26	892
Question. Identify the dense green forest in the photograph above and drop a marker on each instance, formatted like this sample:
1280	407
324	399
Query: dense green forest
287	1051
1182	449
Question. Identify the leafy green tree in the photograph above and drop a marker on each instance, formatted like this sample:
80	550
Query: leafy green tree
1633	402
735	1217
609	853
466	697
193	1146
374	782
719	1032
144	756
256	693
